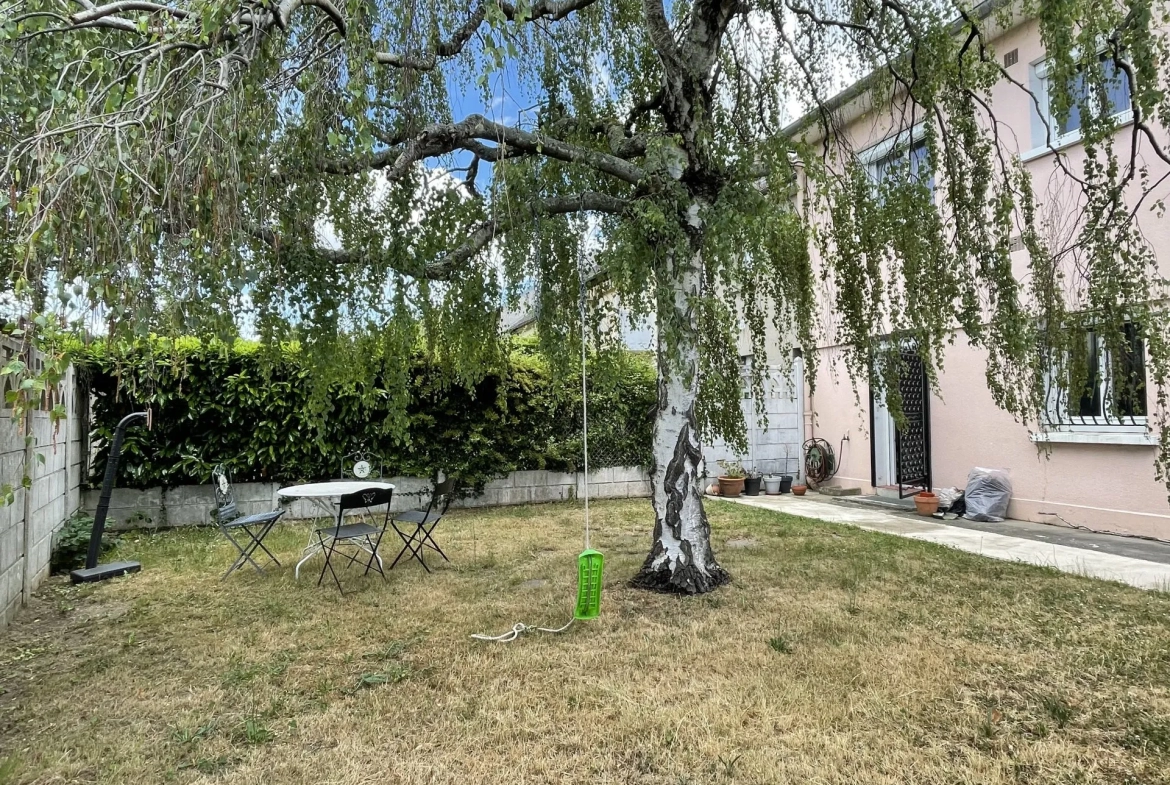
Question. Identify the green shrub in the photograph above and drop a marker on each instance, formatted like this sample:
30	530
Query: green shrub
262	416
71	543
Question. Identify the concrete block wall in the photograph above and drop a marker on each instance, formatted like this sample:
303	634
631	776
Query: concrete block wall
54	463
192	505
773	447
619	482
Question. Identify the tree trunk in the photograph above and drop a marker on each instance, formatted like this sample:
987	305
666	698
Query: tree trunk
681	560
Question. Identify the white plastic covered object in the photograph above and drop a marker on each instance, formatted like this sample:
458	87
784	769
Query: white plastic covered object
987	495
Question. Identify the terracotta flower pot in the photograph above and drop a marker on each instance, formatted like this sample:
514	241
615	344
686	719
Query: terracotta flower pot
926	502
730	486
798	490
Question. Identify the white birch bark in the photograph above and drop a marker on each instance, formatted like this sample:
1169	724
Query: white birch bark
681	559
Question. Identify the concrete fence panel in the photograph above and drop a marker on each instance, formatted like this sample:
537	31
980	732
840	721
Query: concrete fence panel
192	505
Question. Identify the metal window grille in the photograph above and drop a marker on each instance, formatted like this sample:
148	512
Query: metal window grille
1106	391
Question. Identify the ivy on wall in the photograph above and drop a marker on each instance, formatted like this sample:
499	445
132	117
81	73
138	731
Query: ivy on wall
261	415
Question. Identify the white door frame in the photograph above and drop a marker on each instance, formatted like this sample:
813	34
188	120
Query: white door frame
882	434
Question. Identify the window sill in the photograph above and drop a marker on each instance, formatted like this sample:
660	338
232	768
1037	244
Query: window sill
1131	438
1068	140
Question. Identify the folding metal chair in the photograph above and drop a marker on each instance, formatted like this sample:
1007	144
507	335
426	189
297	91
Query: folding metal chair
415	527
229	520
363	536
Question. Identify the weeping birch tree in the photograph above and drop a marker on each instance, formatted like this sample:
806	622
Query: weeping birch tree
340	172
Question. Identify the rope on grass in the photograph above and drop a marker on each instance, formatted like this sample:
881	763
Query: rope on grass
519	629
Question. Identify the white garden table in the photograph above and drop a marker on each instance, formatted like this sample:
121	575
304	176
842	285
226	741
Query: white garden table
325	495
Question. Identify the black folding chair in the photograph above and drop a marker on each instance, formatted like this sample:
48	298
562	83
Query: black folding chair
362	536
229	520
415	527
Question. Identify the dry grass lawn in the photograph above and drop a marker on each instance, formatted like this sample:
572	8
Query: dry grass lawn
836	656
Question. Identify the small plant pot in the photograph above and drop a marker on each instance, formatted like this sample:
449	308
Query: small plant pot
798	490
926	502
772	484
786	484
751	486
731	486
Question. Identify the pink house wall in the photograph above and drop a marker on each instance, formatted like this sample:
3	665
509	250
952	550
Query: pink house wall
1111	487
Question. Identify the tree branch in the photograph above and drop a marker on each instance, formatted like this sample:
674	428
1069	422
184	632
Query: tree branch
452	46
709	20
661	37
489	230
94	13
479	238
441	139
289	7
644	106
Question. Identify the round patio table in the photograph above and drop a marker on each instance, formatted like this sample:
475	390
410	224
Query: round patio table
324	495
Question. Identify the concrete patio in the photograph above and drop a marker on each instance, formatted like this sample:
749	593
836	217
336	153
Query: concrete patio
1108	557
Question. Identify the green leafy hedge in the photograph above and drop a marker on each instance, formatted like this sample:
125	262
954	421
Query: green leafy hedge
262	416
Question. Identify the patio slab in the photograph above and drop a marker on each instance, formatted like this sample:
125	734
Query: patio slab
1076	552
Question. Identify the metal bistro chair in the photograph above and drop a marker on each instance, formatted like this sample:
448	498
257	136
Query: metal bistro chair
229	520
365	537
415	527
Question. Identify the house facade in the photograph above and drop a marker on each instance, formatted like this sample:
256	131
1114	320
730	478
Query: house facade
1089	463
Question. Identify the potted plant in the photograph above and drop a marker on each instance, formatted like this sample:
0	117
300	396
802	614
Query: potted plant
731	481
926	502
785	477
772	484
798	490
751	483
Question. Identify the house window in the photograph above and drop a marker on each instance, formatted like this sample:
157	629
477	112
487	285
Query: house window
900	158
1103	391
1114	103
904	162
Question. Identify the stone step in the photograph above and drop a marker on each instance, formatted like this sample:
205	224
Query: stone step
837	491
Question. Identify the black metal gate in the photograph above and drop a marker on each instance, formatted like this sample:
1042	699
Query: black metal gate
912	436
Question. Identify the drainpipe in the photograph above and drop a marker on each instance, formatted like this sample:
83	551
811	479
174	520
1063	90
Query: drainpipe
798	354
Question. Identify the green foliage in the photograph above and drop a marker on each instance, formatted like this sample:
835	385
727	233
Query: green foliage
71	543
732	469
395	674
253	732
1058	709
9	768
256	413
780	645
172	169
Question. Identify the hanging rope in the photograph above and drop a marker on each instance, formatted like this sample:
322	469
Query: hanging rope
584	390
520	628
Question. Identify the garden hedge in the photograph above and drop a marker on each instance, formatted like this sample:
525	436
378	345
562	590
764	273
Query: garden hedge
261	416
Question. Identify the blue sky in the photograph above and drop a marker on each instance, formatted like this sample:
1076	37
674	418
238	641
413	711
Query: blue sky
510	104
